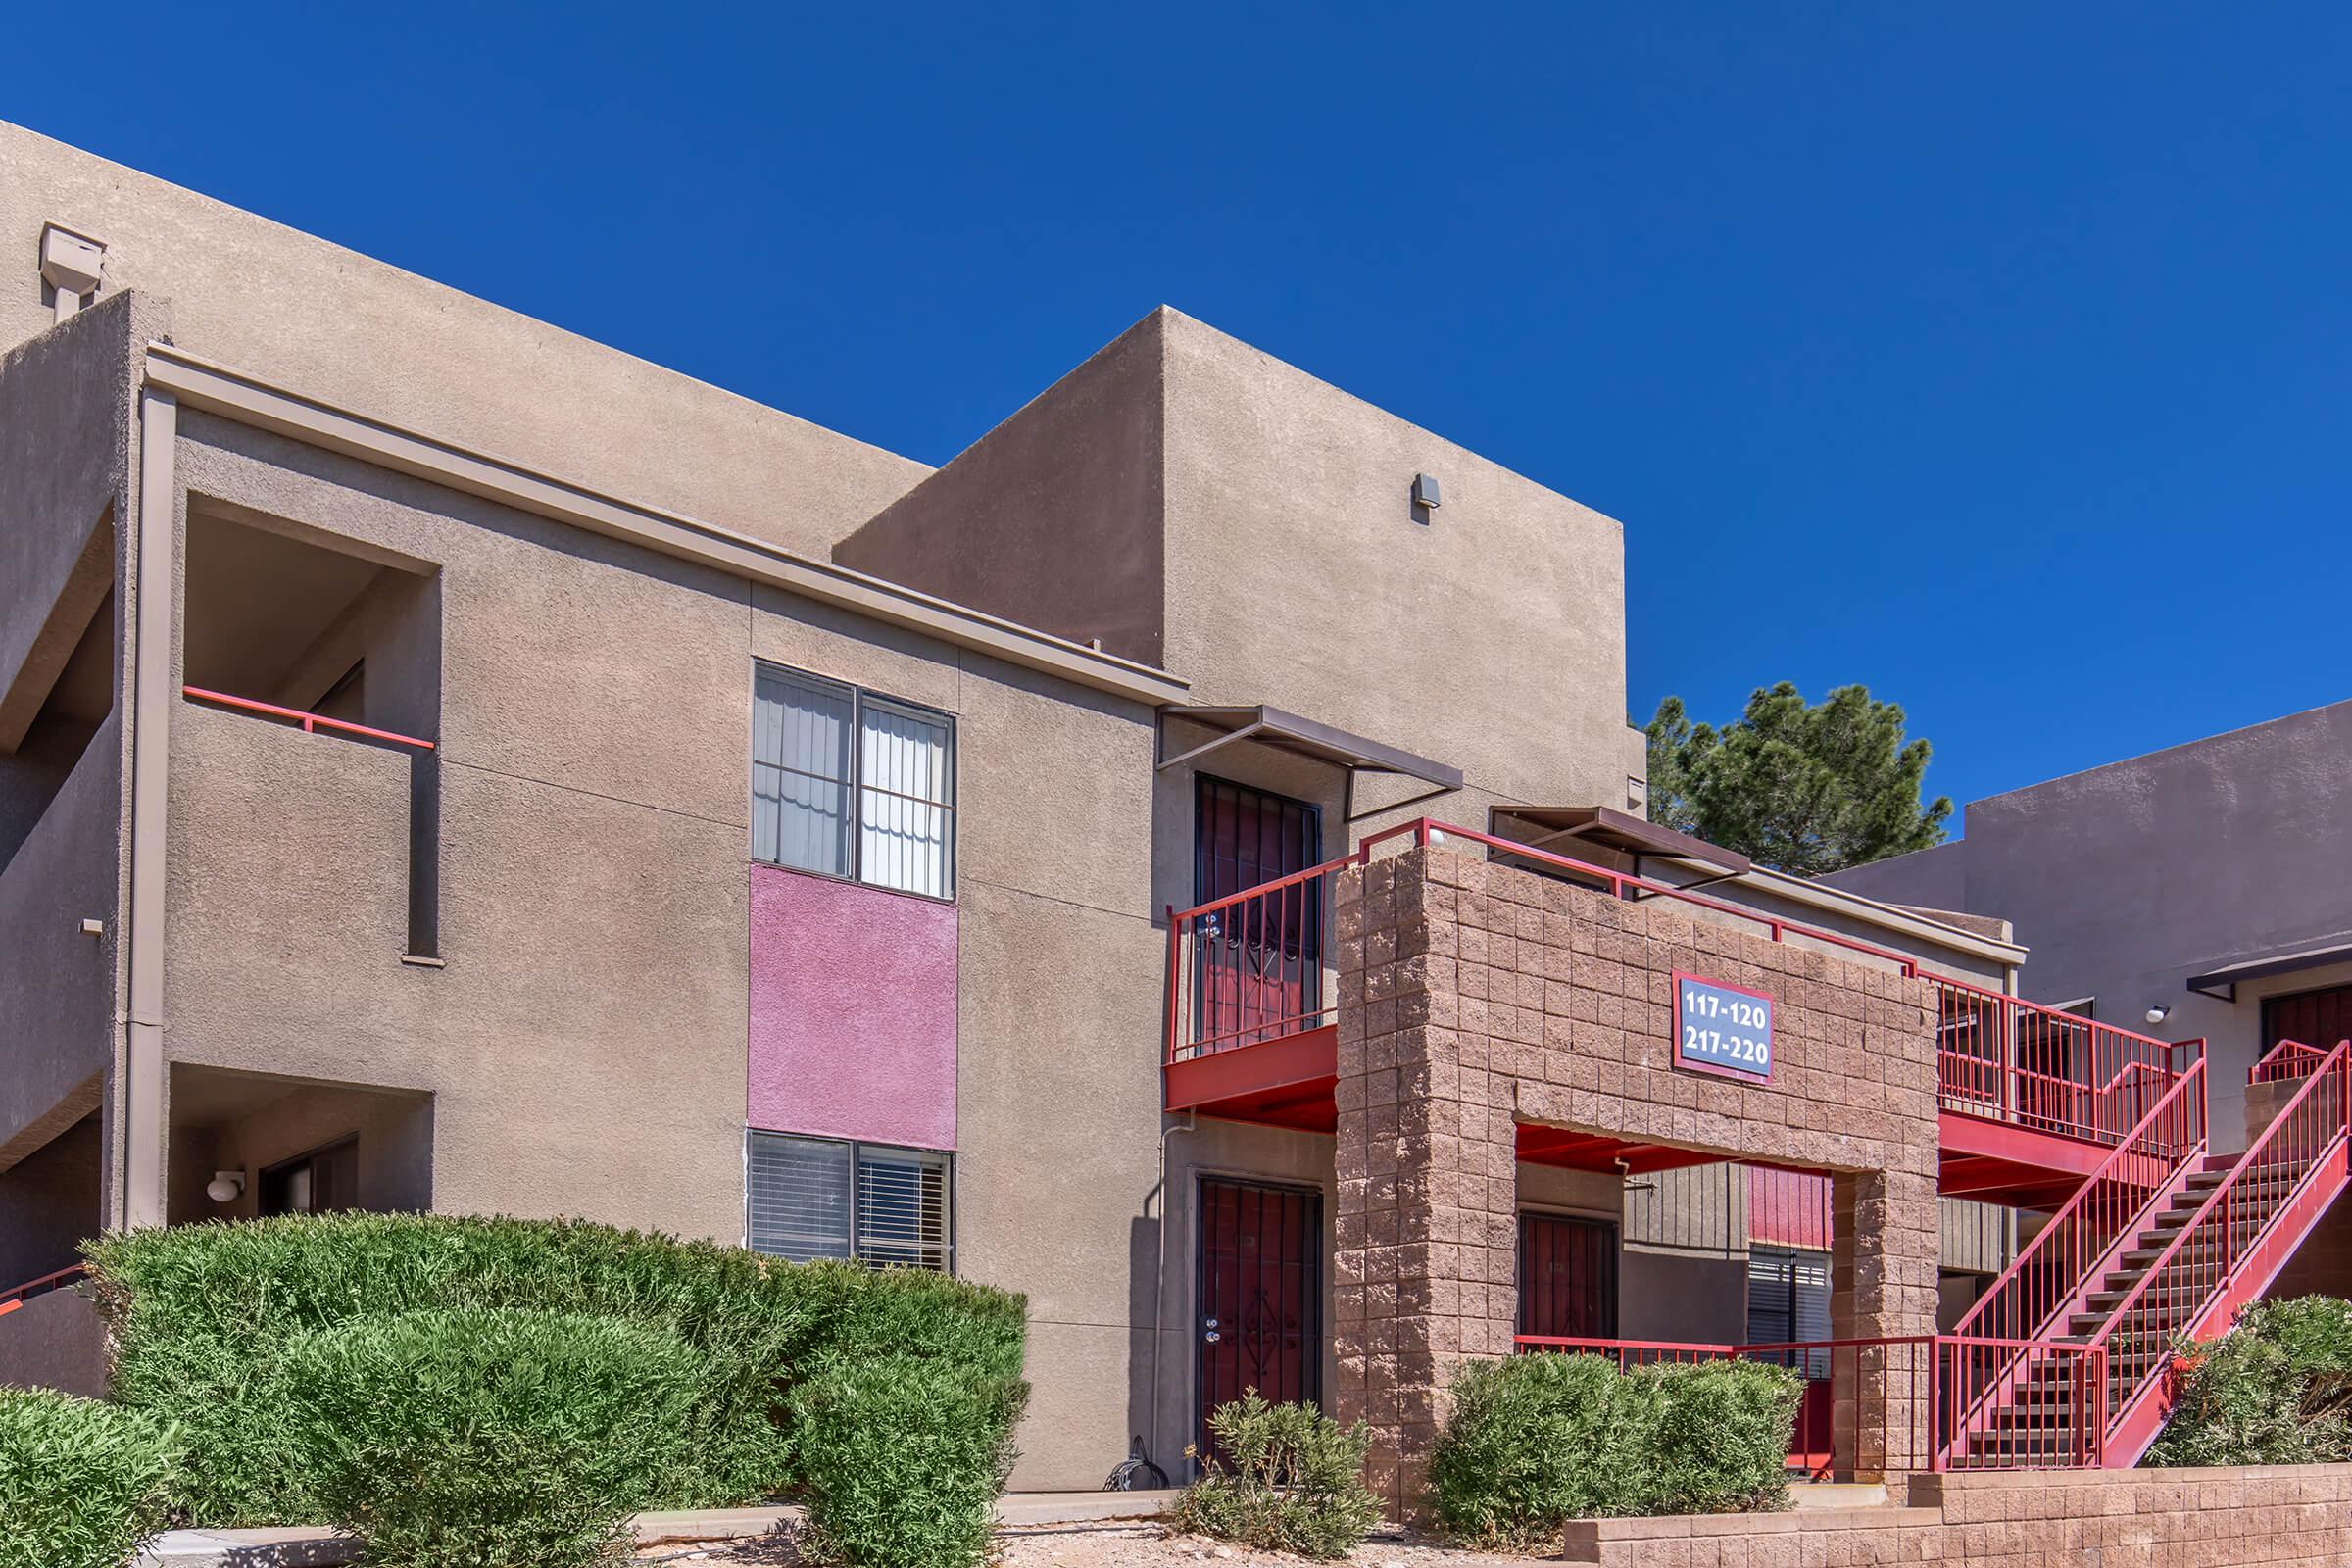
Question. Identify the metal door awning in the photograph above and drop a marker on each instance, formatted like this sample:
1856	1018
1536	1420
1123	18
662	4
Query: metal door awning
2222	983
1560	828
1304	737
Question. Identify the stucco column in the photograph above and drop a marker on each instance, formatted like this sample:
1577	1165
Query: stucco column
1427	1172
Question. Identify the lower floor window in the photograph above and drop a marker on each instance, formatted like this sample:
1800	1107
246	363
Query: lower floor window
819	1197
1788	1302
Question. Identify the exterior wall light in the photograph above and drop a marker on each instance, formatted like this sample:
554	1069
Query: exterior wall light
2159	1012
1425	491
226	1187
71	265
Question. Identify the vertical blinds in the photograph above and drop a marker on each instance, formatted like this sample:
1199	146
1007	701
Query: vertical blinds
1789	1302
812	1198
903	806
817	748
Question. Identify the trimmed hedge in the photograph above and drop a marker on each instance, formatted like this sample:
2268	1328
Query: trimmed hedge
82	1484
2277	1388
1296	1482
1535	1441
902	1459
484	1439
201	1315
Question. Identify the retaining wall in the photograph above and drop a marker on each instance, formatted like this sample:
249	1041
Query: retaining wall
2099	1518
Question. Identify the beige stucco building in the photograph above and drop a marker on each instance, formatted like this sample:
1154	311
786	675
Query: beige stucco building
448	764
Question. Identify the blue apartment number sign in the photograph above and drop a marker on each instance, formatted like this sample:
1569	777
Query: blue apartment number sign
1719	1028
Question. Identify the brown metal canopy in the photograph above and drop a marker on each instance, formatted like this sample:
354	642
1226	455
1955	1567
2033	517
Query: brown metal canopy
2222	983
1622	831
1304	737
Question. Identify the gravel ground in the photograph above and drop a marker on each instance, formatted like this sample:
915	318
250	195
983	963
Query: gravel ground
1111	1546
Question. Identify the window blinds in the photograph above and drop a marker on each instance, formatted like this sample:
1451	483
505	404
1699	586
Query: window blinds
800	772
814	1197
851	785
904	805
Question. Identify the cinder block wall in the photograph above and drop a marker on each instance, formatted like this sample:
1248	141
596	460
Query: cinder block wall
2299	1514
1475	997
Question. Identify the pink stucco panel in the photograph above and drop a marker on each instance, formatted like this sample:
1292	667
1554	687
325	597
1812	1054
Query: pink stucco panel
853	1011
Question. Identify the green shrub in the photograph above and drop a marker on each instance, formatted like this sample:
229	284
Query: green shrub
1295	1482
1535	1441
489	1439
2277	1388
82	1484
902	1459
200	1314
1723	1436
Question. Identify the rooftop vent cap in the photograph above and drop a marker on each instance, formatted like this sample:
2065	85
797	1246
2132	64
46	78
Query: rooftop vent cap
70	264
1425	491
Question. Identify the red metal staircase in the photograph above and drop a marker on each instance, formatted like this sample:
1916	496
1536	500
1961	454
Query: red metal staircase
2165	1238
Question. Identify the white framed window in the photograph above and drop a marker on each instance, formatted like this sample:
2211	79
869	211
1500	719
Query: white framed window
851	784
808	1198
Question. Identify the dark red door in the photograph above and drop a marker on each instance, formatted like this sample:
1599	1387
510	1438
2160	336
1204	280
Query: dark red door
2320	1019
1258	971
1260	1296
1567	1277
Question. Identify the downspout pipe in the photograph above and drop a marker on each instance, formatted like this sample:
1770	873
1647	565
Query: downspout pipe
143	1193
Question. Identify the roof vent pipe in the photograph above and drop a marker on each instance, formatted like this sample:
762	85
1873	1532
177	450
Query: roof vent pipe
70	264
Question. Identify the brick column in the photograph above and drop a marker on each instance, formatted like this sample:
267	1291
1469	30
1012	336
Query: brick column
1881	1286
1425	1241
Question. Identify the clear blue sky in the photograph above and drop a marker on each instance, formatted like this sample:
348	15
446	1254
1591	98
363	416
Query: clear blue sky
1994	356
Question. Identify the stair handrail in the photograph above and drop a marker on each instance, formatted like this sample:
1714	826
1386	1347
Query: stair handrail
2220	1194
2189	1086
17	1296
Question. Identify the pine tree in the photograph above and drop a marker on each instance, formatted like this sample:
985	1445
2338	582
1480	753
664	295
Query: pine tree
1802	789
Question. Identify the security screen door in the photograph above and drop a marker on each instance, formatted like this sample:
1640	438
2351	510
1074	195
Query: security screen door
1260	1296
1567	1277
1257	971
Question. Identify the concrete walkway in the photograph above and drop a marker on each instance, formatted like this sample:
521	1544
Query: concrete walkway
320	1548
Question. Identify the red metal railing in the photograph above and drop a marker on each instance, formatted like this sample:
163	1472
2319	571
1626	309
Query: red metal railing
18	1296
1915	1402
1247	968
310	722
2288	1059
2203	1258
2046	1281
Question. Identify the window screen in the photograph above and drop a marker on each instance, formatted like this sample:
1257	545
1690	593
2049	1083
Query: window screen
816	1197
903	799
800	772
903	1208
800	1197
848	784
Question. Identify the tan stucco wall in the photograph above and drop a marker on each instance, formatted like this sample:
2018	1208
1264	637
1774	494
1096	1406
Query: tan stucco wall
1491	638
1054	517
55	1341
1291	569
585	1047
348	330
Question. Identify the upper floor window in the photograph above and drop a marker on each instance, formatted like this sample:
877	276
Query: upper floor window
848	784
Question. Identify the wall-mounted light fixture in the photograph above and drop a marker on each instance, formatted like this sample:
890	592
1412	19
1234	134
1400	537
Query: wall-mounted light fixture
226	1187
1425	491
71	265
2159	1012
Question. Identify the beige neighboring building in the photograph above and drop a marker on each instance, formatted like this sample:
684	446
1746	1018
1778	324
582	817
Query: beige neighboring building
446	763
